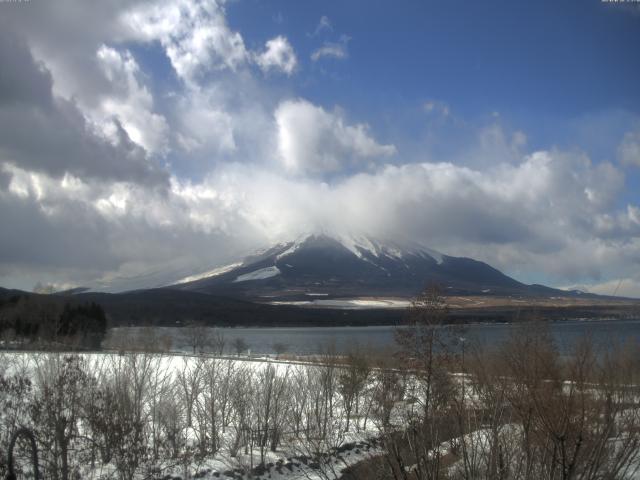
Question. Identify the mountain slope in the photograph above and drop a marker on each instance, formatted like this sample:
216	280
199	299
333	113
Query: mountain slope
322	265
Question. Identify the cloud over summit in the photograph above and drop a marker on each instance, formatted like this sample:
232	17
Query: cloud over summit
312	140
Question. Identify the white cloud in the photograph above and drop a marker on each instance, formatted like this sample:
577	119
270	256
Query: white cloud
331	50
629	149
633	213
532	216
312	140
198	40
323	24
278	55
494	142
131	102
623	287
194	33
335	50
435	106
205	124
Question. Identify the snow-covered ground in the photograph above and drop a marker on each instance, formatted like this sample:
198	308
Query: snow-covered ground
297	455
284	419
349	303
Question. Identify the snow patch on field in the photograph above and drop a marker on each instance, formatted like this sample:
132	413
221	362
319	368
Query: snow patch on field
352	303
261	274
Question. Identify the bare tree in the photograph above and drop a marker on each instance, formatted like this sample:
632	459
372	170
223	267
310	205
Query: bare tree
194	336
129	386
215	402
16	389
270	407
299	399
279	348
351	382
240	393
426	351
240	345
61	383
189	385
201	338
172	423
161	387
216	341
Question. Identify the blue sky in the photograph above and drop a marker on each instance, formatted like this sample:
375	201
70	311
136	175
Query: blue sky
532	61
166	136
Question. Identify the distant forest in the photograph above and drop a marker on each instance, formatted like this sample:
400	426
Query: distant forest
81	319
49	320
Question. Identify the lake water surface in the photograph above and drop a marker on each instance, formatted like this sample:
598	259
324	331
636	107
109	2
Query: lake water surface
311	340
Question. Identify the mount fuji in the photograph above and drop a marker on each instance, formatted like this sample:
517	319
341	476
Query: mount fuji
320	265
324	280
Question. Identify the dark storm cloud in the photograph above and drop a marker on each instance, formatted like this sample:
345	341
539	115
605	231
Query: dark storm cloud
5	180
33	238
22	81
54	232
67	34
47	134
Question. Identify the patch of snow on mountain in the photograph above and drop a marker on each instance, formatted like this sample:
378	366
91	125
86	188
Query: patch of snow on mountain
359	244
211	273
437	256
261	274
393	252
295	245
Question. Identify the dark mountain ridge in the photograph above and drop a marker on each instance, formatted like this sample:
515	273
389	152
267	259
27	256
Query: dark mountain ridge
336	267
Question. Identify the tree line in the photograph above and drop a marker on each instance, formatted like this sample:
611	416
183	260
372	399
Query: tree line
47	321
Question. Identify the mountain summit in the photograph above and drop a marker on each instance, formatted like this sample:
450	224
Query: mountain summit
341	266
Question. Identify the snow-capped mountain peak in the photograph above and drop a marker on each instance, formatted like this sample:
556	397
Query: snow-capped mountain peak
365	247
343	265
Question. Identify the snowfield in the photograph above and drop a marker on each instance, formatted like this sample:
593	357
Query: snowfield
211	273
260	274
349	303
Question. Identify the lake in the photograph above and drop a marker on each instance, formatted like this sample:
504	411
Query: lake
312	340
